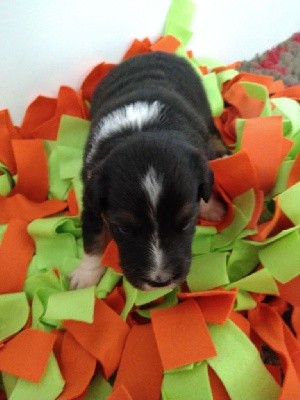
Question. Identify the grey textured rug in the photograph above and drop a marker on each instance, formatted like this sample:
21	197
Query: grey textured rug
282	62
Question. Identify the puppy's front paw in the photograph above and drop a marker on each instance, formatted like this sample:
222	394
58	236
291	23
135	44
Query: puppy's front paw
88	273
82	277
213	210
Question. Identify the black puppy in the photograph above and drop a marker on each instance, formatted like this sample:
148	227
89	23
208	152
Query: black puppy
145	171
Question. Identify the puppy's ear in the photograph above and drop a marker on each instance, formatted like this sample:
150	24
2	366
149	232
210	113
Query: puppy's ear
205	188
204	175
95	190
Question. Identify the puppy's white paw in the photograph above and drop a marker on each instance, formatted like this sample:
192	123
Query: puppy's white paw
88	273
213	210
82	278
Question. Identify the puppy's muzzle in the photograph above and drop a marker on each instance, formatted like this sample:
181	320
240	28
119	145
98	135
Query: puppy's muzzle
161	282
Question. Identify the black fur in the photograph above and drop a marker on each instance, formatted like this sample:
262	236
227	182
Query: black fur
177	145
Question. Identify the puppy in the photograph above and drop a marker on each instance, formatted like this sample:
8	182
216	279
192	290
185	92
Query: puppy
146	172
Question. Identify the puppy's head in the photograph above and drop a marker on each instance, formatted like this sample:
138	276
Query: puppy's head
148	191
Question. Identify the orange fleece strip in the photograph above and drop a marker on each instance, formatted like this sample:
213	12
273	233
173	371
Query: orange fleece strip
6	151
296	325
16	251
240	166
266	322
276	86
276	224
70	102
292	92
32	182
258	208
234	65
140	363
259	134
290	291
94	77
116	299
248	107
38	112
137	47
241	322
228	218
264	80
181	334
73	208
113	332
19	207
121	393
218	390
77	367
216	305
226	125
26	355
168	44
275	371
111	257
42	117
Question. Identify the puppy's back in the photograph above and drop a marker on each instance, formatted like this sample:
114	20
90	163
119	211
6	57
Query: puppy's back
146	76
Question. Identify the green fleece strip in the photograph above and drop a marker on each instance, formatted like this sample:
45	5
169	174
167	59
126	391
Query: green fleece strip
49	388
258	282
139	297
6	180
11	323
282	264
239	366
179	19
98	389
57	241
208	271
243	206
70	151
75	304
191	383
290	110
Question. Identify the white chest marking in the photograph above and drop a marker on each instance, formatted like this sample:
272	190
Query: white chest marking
134	116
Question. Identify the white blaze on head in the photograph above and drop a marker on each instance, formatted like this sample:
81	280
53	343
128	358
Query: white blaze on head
157	255
152	183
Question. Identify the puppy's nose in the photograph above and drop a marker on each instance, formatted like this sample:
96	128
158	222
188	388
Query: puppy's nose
162	282
158	283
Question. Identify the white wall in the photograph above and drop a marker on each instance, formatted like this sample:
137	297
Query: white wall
46	43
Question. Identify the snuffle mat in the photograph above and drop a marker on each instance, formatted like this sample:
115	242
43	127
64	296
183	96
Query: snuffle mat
232	331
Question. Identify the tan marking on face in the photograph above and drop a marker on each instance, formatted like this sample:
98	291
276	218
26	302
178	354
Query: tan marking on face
121	217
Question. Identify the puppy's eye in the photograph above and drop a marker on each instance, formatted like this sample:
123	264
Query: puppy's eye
125	230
